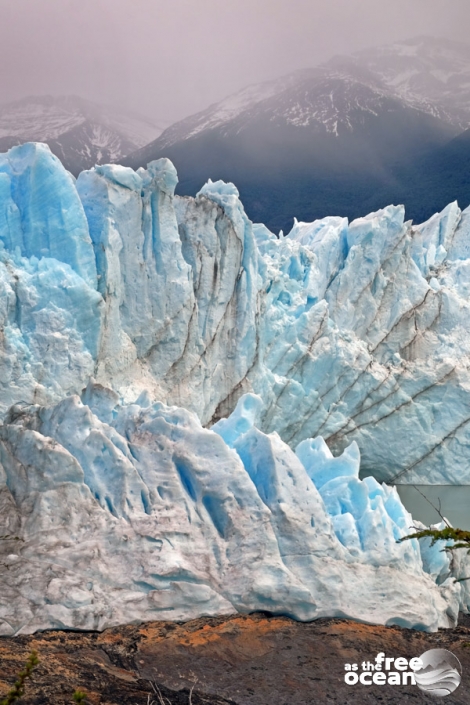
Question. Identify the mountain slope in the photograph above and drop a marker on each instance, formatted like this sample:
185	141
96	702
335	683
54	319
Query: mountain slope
79	132
426	185
334	139
431	73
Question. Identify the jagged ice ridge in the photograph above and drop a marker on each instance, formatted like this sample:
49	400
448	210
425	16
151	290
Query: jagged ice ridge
133	321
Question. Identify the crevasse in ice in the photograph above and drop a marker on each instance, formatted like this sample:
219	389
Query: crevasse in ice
132	485
352	331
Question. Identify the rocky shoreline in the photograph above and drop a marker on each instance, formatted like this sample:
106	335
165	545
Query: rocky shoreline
242	659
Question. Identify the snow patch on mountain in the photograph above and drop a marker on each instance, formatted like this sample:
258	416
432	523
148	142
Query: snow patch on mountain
79	132
423	74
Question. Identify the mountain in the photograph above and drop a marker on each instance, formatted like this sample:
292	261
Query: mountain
432	180
341	138
79	132
433	74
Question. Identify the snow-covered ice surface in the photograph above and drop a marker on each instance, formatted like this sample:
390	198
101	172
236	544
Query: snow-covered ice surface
133	322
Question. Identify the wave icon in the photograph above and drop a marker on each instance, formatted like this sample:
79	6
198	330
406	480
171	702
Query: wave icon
440	674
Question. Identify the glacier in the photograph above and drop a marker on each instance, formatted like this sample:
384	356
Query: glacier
198	416
352	331
114	513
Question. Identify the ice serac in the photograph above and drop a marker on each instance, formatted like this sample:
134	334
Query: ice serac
41	212
375	345
352	331
50	312
143	277
219	245
144	514
187	402
170	300
51	327
179	278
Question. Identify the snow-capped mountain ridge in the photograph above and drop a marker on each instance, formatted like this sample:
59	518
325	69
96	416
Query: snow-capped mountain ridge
325	97
433	74
330	103
409	72
349	136
80	132
230	108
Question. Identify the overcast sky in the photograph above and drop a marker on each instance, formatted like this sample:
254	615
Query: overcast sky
170	58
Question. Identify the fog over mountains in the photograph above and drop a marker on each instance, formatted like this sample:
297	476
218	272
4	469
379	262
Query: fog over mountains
433	74
79	132
384	125
429	75
346	137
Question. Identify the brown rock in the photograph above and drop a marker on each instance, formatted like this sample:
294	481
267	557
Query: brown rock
243	659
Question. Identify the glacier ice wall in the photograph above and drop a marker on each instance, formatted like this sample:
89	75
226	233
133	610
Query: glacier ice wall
173	380
352	331
115	513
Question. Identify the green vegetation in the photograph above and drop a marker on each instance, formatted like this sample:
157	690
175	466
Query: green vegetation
460	537
18	689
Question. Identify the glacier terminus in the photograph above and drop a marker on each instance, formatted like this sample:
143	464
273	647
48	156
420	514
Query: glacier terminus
198	416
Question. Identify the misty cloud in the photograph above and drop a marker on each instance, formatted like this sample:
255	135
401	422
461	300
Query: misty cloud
169	59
